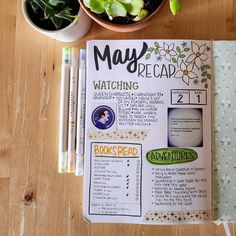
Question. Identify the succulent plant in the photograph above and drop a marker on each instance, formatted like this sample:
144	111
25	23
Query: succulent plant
58	12
122	8
115	8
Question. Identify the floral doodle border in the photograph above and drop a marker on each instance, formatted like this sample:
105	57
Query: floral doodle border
177	55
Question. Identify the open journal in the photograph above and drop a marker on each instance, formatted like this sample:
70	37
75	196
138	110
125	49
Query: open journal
160	131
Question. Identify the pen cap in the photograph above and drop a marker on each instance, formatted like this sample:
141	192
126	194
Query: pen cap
75	56
79	171
62	162
66	56
82	57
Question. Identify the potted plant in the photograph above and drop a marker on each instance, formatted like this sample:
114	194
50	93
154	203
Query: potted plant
63	20
125	15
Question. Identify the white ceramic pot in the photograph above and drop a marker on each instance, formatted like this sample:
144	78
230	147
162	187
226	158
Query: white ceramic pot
75	31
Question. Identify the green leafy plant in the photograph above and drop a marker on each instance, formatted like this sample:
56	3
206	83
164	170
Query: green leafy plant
115	8
137	9
57	13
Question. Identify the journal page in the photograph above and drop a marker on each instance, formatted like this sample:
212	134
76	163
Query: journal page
148	132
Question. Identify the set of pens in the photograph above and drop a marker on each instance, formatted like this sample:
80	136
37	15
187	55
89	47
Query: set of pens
72	104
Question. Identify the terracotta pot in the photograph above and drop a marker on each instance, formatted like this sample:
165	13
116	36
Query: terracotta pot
122	27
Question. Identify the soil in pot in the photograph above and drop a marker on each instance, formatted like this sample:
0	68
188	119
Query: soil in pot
149	5
38	17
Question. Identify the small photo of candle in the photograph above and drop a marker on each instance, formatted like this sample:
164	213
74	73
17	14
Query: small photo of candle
185	127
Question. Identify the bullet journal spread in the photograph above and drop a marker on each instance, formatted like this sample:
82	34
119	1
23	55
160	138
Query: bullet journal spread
148	132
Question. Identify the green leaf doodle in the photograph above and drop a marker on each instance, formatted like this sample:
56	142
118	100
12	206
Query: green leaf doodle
174	60
153	49
150	49
178	49
148	56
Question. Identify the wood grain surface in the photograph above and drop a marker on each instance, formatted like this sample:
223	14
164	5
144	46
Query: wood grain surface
34	198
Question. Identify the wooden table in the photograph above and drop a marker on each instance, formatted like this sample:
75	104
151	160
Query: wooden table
34	198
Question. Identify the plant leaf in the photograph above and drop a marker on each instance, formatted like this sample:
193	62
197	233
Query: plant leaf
46	3
206	86
57	2
207	66
157	44
204	80
87	3
134	7
116	9
142	14
150	49
208	76
204	73
66	14
97	6
125	1
174	6
34	6
182	56
48	12
186	49
57	22
42	4
156	50
202	68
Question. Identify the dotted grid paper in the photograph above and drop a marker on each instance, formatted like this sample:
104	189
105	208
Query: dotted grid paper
224	132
